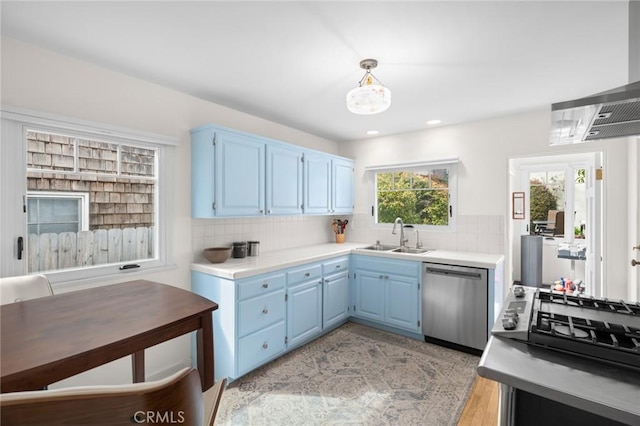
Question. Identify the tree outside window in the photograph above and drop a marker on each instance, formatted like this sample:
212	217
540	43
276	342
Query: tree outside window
416	197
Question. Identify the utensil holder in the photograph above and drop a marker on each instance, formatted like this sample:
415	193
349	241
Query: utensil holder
339	238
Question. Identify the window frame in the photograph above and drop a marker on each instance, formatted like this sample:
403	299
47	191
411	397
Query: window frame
422	167
570	169
26	120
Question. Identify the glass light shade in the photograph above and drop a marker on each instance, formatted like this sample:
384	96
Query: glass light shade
368	99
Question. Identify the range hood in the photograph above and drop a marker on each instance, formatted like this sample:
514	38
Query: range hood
611	114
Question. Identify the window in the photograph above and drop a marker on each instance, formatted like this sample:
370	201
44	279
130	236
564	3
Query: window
557	207
97	198
420	196
51	212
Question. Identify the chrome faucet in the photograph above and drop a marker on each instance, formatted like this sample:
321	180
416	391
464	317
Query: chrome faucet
393	231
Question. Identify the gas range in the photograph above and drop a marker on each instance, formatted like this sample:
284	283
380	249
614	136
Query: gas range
590	327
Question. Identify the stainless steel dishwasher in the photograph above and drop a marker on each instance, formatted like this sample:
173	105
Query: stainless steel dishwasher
454	304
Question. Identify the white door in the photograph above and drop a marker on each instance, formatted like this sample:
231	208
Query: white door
593	193
634	222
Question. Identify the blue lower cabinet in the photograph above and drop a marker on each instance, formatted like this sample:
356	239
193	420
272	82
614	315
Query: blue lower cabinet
335	299
304	312
259	347
387	291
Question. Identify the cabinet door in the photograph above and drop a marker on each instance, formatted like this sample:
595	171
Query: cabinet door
402	298
317	184
369	293
304	312
202	167
336	299
239	175
342	199
284	180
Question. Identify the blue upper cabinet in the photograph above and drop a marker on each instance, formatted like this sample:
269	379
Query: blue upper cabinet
202	169
236	174
239	176
317	183
328	184
227	173
284	180
342	177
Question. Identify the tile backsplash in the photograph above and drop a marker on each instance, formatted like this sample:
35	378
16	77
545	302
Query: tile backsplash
475	233
273	232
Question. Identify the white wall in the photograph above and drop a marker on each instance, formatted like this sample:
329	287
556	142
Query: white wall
41	80
484	148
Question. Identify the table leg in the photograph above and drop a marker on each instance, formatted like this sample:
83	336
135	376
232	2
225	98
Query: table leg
137	366
204	339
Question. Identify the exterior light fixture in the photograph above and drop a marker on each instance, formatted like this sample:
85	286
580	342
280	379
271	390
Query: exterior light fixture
370	97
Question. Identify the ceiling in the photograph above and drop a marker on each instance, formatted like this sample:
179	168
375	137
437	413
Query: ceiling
293	62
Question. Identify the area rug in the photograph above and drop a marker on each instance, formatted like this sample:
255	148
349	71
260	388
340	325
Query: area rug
354	375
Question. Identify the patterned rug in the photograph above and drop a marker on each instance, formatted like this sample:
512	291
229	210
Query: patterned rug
354	375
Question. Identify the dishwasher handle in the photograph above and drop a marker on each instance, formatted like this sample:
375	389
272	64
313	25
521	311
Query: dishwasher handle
450	273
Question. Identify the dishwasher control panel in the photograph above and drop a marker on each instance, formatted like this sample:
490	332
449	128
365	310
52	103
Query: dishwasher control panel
515	316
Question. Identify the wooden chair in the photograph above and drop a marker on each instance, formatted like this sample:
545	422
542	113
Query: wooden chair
178	399
24	287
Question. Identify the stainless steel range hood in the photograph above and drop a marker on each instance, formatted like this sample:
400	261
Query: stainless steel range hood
611	114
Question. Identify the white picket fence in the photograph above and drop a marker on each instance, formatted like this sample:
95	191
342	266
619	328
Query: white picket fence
47	252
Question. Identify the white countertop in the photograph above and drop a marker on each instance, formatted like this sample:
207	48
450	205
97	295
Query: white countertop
275	260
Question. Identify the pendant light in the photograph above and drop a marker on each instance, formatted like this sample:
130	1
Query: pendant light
370	97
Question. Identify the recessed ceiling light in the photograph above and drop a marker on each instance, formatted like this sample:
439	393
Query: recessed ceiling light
372	132
431	122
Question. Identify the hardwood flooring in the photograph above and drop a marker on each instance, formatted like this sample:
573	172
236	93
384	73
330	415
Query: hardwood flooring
481	408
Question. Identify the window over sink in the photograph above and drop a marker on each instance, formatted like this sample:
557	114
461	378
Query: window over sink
421	194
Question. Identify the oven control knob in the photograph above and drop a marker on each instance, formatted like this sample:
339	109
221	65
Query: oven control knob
511	313
509	324
518	291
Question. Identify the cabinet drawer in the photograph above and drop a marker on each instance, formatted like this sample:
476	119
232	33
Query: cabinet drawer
259	312
304	273
262	285
335	265
256	348
388	266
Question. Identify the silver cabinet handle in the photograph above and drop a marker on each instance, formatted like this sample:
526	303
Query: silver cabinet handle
265	311
265	345
261	211
307	274
337	266
269	211
265	285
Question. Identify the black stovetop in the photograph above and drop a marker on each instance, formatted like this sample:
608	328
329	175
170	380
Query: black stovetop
586	326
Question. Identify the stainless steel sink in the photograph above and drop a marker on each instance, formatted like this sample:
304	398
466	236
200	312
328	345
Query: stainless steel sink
379	247
411	250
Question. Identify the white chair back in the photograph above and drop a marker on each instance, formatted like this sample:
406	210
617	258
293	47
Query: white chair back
24	287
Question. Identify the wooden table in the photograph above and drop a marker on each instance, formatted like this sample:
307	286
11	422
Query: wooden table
49	339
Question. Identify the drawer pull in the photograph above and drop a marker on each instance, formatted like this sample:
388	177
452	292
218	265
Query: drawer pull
265	345
265	311
381	276
265	285
307	274
337	266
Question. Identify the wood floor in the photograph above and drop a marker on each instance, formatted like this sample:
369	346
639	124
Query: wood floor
481	408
